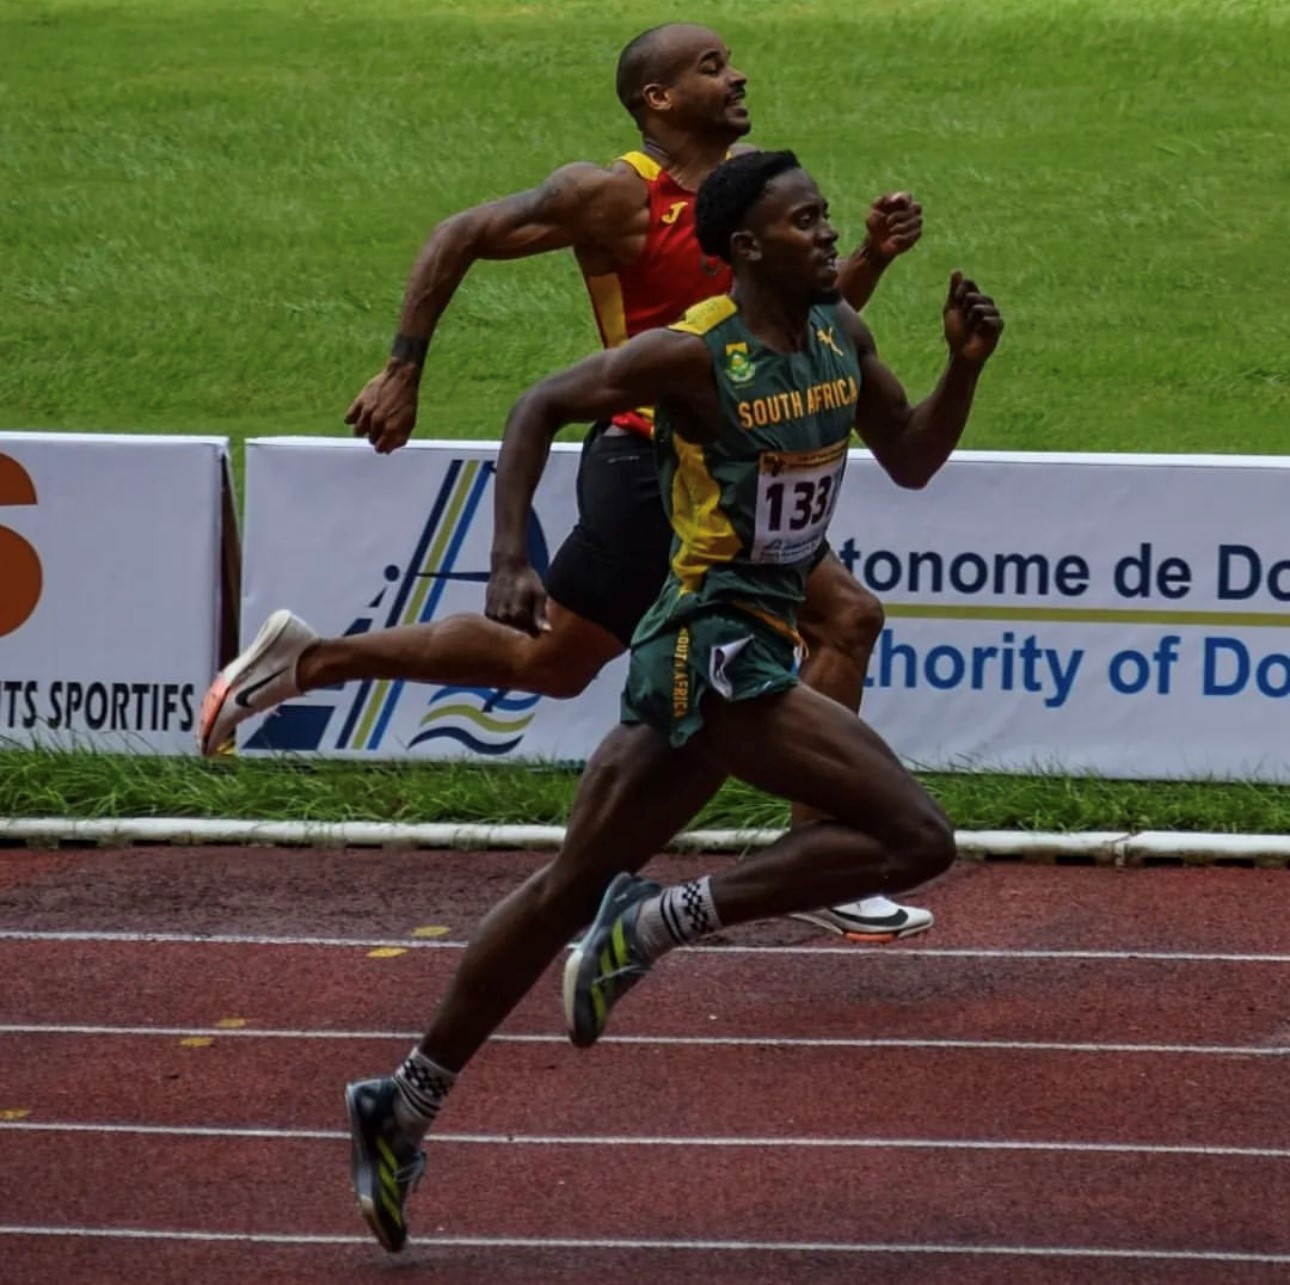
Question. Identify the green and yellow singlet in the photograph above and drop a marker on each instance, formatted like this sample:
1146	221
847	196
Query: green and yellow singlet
750	509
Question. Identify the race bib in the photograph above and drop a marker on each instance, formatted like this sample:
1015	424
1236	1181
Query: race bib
796	493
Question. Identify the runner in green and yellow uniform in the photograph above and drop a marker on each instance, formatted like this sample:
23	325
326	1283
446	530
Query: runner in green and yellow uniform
749	512
757	393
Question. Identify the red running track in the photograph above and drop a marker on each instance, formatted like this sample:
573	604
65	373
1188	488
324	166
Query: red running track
1020	1096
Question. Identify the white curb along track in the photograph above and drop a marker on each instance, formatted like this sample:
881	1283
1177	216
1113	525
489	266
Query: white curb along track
1097	847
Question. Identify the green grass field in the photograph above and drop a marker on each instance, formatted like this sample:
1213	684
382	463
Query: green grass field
210	210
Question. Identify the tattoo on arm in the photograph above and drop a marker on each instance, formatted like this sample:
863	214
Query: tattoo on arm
557	214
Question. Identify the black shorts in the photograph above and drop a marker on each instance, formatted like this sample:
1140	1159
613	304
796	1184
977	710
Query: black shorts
612	565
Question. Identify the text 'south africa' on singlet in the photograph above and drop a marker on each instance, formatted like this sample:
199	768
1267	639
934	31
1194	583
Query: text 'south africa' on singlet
671	275
751	508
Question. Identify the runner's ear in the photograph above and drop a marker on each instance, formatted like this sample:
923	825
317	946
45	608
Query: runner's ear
657	97
744	245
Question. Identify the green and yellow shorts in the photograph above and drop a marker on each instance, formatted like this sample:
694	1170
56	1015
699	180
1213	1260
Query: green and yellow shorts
719	650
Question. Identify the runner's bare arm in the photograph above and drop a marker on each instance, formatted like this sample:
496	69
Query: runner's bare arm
579	205
597	387
912	442
893	225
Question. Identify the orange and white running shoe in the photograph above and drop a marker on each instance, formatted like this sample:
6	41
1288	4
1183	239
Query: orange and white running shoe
262	676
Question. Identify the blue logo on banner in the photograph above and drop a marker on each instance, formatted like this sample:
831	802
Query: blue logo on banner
485	720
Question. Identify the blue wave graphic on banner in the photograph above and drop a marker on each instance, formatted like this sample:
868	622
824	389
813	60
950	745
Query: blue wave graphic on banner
493	697
466	739
486	720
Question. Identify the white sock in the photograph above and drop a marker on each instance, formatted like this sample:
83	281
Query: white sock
423	1085
679	914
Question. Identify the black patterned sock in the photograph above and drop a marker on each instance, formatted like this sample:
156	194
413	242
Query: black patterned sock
422	1087
679	914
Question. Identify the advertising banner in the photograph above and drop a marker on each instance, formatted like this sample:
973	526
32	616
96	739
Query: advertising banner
1125	616
1121	615
353	541
109	588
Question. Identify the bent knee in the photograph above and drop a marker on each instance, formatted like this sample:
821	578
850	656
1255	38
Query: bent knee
925	846
563	684
862	618
855	619
561	676
558	895
562	662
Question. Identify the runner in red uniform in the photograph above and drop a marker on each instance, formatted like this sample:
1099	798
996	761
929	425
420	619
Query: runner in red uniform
641	295
631	228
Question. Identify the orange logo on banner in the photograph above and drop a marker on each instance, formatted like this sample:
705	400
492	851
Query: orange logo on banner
20	573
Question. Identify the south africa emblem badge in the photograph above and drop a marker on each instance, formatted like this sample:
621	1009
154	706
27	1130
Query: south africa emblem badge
740	368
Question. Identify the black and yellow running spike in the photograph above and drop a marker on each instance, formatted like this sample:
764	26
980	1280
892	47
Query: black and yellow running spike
384	1166
606	963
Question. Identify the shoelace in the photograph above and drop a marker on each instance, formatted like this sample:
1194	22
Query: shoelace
412	1172
627	970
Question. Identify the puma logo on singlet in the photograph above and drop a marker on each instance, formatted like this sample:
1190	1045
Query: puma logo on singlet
673	212
825	336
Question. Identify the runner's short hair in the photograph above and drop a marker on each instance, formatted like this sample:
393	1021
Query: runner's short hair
642	61
730	191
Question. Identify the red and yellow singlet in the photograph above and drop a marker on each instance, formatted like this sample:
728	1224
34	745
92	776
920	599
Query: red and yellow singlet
670	277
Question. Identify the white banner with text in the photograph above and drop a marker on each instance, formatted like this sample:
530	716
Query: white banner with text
1121	615
109	588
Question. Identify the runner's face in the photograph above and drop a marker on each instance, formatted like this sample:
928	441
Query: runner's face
708	90
798	243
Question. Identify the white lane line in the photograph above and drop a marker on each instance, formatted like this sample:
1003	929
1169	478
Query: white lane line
696	1041
856	952
621	1140
687	1246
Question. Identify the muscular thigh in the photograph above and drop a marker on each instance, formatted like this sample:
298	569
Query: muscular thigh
803	747
833	595
635	794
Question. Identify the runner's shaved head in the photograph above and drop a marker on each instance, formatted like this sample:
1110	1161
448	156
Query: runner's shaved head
656	56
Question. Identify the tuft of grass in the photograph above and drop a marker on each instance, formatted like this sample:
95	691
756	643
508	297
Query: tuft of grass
60	783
